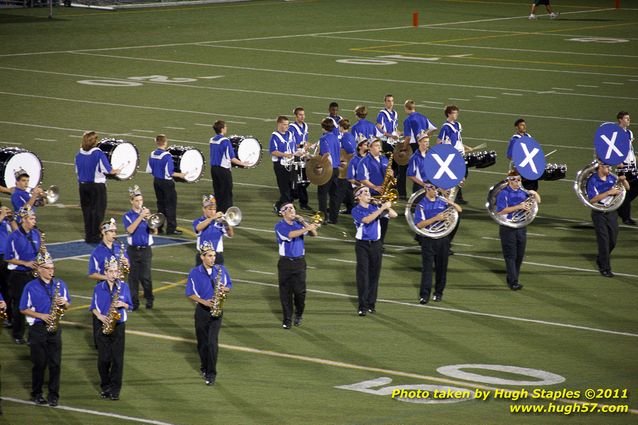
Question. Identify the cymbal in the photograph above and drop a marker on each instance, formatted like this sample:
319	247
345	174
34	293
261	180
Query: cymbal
319	169
343	164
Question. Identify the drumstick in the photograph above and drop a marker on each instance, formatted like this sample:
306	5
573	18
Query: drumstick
481	146
546	155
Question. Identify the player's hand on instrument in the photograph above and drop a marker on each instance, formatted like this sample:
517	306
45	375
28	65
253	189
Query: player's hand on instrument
125	261
102	318
120	304
37	191
31	264
116	171
146	213
379	189
613	191
3	305
207	303
386	205
225	289
60	301
46	318
311	227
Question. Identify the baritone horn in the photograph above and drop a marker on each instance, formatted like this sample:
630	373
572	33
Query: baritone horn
52	195
155	221
232	216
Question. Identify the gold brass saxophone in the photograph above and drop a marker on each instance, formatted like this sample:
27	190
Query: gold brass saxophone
124	268
113	315
219	297
390	194
57	311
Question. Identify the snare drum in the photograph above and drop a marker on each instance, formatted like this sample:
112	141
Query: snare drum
247	149
187	160
12	159
554	172
482	159
299	176
121	154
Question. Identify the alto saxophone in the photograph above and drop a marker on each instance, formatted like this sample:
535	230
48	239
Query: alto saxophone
389	193
124	268
219	296
56	312
113	315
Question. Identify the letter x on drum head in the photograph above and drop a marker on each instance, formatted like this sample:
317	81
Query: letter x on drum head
528	158
444	166
611	143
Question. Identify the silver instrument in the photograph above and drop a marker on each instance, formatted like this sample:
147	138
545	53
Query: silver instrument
436	230
580	186
155	221
520	218
232	216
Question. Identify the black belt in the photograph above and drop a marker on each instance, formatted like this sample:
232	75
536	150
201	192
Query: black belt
138	248
368	241
292	258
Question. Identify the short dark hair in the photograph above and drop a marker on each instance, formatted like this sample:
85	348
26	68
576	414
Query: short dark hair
297	110
282	118
327	124
518	121
344	123
219	126
22	174
621	115
449	109
387	96
333	105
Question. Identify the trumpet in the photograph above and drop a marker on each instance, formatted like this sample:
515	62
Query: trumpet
52	195
317	218
155	221
232	216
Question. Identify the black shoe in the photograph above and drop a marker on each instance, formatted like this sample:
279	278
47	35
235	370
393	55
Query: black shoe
607	273
331	222
53	401
450	252
115	396
285	325
149	305
210	380
423	300
203	372
105	394
38	399
306	208
20	341
437	298
516	287
136	307
461	201
175	232
630	222
297	321
362	313
372	310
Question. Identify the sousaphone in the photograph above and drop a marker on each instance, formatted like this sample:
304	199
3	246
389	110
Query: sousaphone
319	169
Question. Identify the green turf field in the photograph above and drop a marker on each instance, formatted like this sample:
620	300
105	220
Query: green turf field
137	73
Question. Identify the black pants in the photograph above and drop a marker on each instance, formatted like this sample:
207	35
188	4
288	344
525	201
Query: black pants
624	212
513	243
4	286
140	261
400	172
606	227
369	257
433	251
93	203
384	222
284	183
17	282
299	190
110	359
222	186
292	286
166	196
347	197
46	351
207	331
330	189
530	184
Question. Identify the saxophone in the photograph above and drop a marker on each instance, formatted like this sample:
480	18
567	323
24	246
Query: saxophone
390	194
113	315
124	268
56	312
219	296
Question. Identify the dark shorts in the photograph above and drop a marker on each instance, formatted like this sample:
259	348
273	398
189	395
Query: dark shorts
538	2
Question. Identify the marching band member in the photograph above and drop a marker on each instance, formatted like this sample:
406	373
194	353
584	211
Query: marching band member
139	239
200	287
371	173
368	247
20	252
282	148
600	189
329	144
363	126
111	301
106	249
348	144
416	166
7	225
222	156
160	165
333	115
450	134
513	240
413	124
91	165
521	131
388	119
210	228
21	195
290	232
299	130
624	120
46	347
428	212
362	150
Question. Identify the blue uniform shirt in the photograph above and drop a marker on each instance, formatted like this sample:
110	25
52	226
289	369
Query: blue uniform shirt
427	209
160	164
416	166
348	143
91	165
221	151
5	231
101	253
365	128
282	142
19	198
510	146
213	233
366	232
416	123
329	143
200	282
299	132
19	247
142	234
372	169
351	173
389	120
509	197
451	134
103	296
335	120
37	296
289	247
596	186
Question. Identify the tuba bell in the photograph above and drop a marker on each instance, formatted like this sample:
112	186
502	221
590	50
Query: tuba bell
580	186
520	218
232	216
437	230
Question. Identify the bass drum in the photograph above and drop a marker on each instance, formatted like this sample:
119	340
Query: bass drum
187	160
247	149
121	154
12	159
